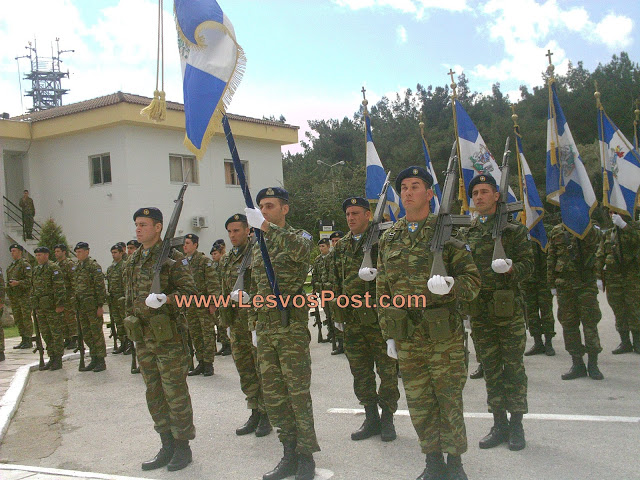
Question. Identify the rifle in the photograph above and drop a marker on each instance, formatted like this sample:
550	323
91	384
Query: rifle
191	350
318	323
503	208
112	324
446	220
330	326
244	266
134	359
39	348
376	227
80	346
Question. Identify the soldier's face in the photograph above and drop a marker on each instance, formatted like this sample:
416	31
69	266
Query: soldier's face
415	195
485	198
357	219
146	231
116	255
216	255
324	248
82	254
59	253
42	258
16	253
189	247
334	241
274	210
131	249
238	233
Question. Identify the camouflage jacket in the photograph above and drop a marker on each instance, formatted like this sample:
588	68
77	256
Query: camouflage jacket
345	264
1	286
115	279
88	281
229	269
517	246
198	266
619	251
19	270
570	259
320	273
539	274
66	265
404	267
212	278
27	206
48	287
175	279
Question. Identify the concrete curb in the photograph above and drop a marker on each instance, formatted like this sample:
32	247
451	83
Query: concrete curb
57	473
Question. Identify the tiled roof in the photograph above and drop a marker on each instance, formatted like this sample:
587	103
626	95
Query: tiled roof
121	97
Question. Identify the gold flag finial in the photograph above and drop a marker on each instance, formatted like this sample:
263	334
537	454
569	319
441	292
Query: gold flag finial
597	95
514	117
421	125
453	83
637	111
550	68
365	102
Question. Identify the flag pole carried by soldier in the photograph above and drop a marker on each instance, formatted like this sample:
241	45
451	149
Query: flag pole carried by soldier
69	322
18	291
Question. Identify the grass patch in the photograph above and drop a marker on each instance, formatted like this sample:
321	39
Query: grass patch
10	332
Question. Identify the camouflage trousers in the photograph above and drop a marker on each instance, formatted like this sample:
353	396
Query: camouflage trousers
27	221
434	374
92	328
245	356
69	321
365	348
578	304
21	310
539	300
623	294
1	332
202	333
164	367
221	332
116	314
50	325
500	343
285	367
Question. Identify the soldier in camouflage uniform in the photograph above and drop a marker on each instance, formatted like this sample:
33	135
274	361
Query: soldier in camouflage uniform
235	319
90	293
159	329
320	280
1	313
217	251
331	306
18	291
200	321
619	273
48	300
69	321
364	344
425	332
132	246
283	340
497	315
571	274
28	212
115	283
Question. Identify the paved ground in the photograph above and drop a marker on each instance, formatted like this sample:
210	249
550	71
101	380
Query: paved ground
91	422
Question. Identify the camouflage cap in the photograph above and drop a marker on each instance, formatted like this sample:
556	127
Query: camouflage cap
272	192
355	202
482	178
41	250
414	172
148	212
238	217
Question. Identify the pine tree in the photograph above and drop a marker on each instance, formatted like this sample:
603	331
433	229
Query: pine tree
51	235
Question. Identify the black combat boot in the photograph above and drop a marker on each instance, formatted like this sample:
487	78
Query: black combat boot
28	343
90	366
516	433
128	344
182	455
577	370
306	467
264	426
118	350
479	372
226	350
56	363
21	344
537	348
592	367
2	358
101	366
454	468
251	424
207	369
371	424
636	341
47	365
435	468
339	347
287	466
549	351
499	433
197	371
387	430
72	344
67	342
625	345
163	457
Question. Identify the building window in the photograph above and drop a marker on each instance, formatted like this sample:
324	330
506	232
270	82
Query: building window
100	166
183	168
230	177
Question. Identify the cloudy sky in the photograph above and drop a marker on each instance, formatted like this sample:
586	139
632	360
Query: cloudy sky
308	59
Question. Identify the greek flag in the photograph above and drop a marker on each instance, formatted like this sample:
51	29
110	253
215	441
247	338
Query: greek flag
620	167
568	183
212	66
437	193
376	176
533	209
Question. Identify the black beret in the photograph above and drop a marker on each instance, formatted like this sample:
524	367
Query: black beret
336	234
272	192
238	217
15	245
414	172
41	250
118	247
135	243
355	202
478	179
220	241
324	241
122	244
193	237
61	246
216	247
148	212
83	245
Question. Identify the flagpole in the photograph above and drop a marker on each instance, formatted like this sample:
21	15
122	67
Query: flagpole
555	140
462	195
421	124
603	161
514	117
636	122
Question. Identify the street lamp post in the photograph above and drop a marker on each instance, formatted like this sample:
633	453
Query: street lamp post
333	183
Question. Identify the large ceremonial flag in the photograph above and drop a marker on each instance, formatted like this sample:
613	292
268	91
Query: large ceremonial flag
620	167
568	183
437	193
212	66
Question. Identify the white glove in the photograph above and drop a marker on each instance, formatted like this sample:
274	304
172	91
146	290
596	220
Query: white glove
618	221
367	274
500	265
600	285
254	338
255	218
229	332
391	348
155	300
235	296
440	285
339	326
554	292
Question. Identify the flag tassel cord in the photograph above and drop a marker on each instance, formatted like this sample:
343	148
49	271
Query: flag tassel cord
157	109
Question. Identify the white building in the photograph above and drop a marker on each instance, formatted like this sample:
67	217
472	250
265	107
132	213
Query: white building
91	164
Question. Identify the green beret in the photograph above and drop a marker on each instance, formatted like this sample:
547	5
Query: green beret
414	172
355	202
148	212
482	178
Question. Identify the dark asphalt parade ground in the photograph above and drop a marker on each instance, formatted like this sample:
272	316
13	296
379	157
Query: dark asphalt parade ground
98	422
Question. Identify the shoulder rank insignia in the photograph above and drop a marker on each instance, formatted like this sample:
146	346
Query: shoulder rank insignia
99	270
28	267
55	272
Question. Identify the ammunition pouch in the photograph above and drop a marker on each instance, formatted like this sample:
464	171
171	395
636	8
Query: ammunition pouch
133	327
162	328
399	324
503	303
471	308
367	316
437	323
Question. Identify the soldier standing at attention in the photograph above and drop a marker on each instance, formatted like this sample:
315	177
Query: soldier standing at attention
571	275
158	328
619	273
364	344
132	246
283	339
200	322
69	322
116	292
48	300
331	306
1	313
427	336
217	251
497	316
245	355
90	295
18	291
28	212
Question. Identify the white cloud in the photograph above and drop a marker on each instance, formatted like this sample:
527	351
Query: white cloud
414	7
401	34
614	31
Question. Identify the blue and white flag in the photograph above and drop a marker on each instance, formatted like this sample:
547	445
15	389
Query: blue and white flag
212	66
568	183
533	209
437	193
620	167
376	177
